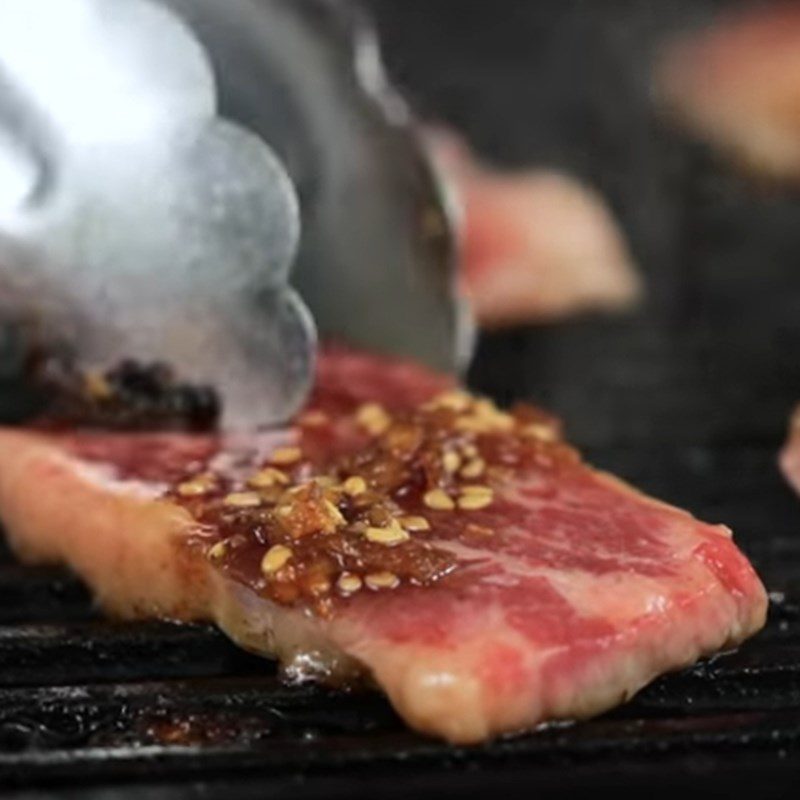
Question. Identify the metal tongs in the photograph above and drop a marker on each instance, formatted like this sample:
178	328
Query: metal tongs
144	213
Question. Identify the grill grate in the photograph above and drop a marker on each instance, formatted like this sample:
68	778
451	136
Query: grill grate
92	704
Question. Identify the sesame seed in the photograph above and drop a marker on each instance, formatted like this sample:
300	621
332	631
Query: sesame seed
474	468
218	551
193	489
267	478
484	417
334	513
454	400
196	487
390	536
349	583
488	411
475	490
355	486
415	523
451	462
242	500
472	424
382	580
373	418
284	456
275	559
544	433
474	501
438	500
499	420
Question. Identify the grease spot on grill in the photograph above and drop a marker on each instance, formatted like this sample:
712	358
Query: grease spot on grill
194	730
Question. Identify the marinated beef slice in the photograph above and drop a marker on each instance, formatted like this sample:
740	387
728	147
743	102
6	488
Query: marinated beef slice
462	558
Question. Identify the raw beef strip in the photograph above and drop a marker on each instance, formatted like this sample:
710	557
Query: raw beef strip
737	83
462	558
790	455
536	245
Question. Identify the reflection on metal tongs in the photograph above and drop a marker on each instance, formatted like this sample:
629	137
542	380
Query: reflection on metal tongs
137	222
142	213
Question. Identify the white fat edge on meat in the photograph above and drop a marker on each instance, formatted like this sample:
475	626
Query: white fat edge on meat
296	636
107	476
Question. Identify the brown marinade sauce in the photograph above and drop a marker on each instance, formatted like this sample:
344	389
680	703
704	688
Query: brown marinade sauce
318	523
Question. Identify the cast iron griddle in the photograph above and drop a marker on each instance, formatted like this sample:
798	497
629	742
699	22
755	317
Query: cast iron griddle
688	399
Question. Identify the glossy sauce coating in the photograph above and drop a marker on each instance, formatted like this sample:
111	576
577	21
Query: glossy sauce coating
368	500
